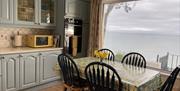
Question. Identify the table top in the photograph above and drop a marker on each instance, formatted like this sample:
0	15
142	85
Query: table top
129	74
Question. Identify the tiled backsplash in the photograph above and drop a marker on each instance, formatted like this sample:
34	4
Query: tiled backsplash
7	34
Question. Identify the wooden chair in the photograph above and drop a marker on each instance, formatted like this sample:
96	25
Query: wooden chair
110	54
169	83
70	72
135	59
102	77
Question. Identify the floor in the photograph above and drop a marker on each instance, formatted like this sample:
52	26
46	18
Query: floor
54	88
58	86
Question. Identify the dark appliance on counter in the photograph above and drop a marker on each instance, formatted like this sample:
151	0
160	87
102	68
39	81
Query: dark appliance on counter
73	36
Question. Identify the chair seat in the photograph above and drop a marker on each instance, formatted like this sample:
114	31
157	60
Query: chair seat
80	82
99	88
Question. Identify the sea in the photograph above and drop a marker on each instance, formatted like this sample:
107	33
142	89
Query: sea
148	44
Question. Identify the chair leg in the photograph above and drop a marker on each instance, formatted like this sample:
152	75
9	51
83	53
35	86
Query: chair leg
76	89
65	87
86	89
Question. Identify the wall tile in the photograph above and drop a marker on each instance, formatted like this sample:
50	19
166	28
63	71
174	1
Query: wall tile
7	34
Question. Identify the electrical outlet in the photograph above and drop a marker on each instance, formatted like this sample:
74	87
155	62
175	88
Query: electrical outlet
4	37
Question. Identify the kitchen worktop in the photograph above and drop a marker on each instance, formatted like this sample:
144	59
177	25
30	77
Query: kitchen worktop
25	49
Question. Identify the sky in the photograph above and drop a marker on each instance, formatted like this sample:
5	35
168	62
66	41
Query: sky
146	16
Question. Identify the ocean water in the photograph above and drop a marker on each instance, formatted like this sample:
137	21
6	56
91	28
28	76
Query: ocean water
149	45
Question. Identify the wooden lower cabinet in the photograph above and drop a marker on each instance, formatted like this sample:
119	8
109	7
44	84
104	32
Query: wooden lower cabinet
20	71
1	60
10	73
29	70
48	60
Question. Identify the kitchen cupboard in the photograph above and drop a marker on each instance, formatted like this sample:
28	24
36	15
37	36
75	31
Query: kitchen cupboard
29	70
48	60
24	70
10	72
47	12
6	11
35	12
1	59
78	8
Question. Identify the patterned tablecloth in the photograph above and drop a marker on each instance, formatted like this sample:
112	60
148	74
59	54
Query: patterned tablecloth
133	78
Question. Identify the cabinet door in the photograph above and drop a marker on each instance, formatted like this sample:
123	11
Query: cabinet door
47	66
72	8
78	8
10	73
47	12
6	11
85	11
29	70
26	11
85	37
1	85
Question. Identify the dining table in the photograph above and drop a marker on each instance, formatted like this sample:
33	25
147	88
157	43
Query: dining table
133	78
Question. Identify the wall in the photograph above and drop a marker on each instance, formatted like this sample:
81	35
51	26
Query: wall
60	20
7	34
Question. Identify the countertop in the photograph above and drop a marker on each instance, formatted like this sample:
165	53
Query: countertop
4	51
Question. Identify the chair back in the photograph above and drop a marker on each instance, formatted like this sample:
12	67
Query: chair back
69	69
134	58
169	83
102	77
110	56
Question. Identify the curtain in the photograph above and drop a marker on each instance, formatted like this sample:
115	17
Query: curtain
95	34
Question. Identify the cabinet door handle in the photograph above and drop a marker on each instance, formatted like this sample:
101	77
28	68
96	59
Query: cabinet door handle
40	54
20	56
2	58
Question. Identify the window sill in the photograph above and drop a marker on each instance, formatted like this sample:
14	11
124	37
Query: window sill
162	72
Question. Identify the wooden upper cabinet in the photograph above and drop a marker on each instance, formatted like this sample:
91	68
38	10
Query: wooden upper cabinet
78	8
47	12
6	11
35	12
26	10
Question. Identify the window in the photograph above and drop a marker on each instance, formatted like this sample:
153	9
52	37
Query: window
150	27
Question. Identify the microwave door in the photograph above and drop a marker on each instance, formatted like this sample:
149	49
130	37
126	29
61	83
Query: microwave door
41	41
